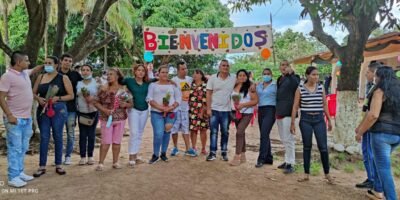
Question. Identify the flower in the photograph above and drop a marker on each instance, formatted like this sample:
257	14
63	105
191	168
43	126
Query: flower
172	115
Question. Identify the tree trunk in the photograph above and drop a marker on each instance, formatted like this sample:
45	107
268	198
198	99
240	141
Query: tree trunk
37	24
6	39
79	51
62	17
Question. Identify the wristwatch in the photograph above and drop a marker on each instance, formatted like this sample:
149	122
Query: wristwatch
59	98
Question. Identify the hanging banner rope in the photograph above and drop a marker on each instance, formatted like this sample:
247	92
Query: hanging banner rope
179	41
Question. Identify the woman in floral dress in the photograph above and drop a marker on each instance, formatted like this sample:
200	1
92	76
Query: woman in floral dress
197	113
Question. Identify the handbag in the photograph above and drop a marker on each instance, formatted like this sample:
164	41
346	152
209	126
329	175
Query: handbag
86	120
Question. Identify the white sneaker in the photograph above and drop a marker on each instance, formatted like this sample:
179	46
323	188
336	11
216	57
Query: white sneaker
67	161
82	161
16	182
25	177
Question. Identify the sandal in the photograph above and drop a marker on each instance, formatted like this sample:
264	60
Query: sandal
131	163
330	180
116	166
100	167
304	179
39	173
371	194
60	171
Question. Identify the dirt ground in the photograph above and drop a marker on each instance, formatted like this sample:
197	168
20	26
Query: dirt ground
181	178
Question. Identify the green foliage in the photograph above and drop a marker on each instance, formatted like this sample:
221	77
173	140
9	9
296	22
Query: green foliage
17	27
349	168
315	168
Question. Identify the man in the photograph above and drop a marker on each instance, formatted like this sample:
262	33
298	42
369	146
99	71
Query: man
15	86
74	77
182	116
287	85
366	139
327	83
219	89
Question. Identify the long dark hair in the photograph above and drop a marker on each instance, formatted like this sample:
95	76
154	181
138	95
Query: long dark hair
309	70
390	86
246	85
203	77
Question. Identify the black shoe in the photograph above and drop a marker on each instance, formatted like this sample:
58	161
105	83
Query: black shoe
259	164
269	162
366	184
164	157
282	166
224	156
288	169
211	157
153	159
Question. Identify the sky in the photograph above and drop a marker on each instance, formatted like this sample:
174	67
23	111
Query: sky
285	15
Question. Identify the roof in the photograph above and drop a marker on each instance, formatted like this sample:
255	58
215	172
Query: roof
386	43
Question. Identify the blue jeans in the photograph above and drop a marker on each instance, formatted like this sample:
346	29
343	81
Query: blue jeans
56	123
87	135
310	124
70	125
219	120
18	137
161	137
368	156
383	144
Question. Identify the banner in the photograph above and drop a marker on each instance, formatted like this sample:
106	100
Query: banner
178	41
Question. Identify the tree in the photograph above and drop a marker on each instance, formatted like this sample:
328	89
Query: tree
359	19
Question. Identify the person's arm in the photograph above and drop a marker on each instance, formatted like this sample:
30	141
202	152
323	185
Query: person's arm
40	100
372	115
68	89
209	94
326	110
10	117
36	69
177	97
98	105
253	101
295	109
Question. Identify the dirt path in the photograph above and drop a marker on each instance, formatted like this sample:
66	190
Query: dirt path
181	178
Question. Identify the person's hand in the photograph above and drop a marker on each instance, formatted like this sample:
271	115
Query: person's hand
150	66
253	88
293	128
123	104
329	125
357	129
54	99
11	119
107	112
358	137
289	70
240	106
208	112
42	101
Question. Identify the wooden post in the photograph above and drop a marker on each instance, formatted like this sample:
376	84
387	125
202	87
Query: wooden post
334	79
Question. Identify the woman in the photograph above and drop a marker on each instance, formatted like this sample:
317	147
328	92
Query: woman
383	123
137	116
164	98
197	114
243	100
310	98
51	112
87	114
266	92
112	102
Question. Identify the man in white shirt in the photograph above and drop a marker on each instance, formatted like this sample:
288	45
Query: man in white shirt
181	124
219	89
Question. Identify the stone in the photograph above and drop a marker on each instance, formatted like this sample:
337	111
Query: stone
331	144
339	147
352	150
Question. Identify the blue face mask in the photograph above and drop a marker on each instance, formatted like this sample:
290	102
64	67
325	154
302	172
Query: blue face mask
48	68
87	77
267	78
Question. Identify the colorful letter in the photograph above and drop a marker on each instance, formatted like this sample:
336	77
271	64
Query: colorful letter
172	42
223	44
195	41
248	39
163	38
213	41
184	40
236	44
263	35
203	40
150	41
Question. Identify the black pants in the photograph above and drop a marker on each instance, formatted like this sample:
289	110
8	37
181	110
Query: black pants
310	124
87	135
266	119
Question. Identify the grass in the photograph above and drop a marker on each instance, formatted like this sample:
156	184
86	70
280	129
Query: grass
360	165
315	168
341	157
349	168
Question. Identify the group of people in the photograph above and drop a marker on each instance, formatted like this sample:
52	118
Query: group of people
186	105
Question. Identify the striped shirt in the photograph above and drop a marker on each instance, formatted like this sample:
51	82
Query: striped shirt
311	101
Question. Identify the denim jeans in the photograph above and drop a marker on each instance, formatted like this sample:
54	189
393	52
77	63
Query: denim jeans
383	144
18	137
309	124
70	125
219	120
56	124
266	120
87	135
160	136
368	156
